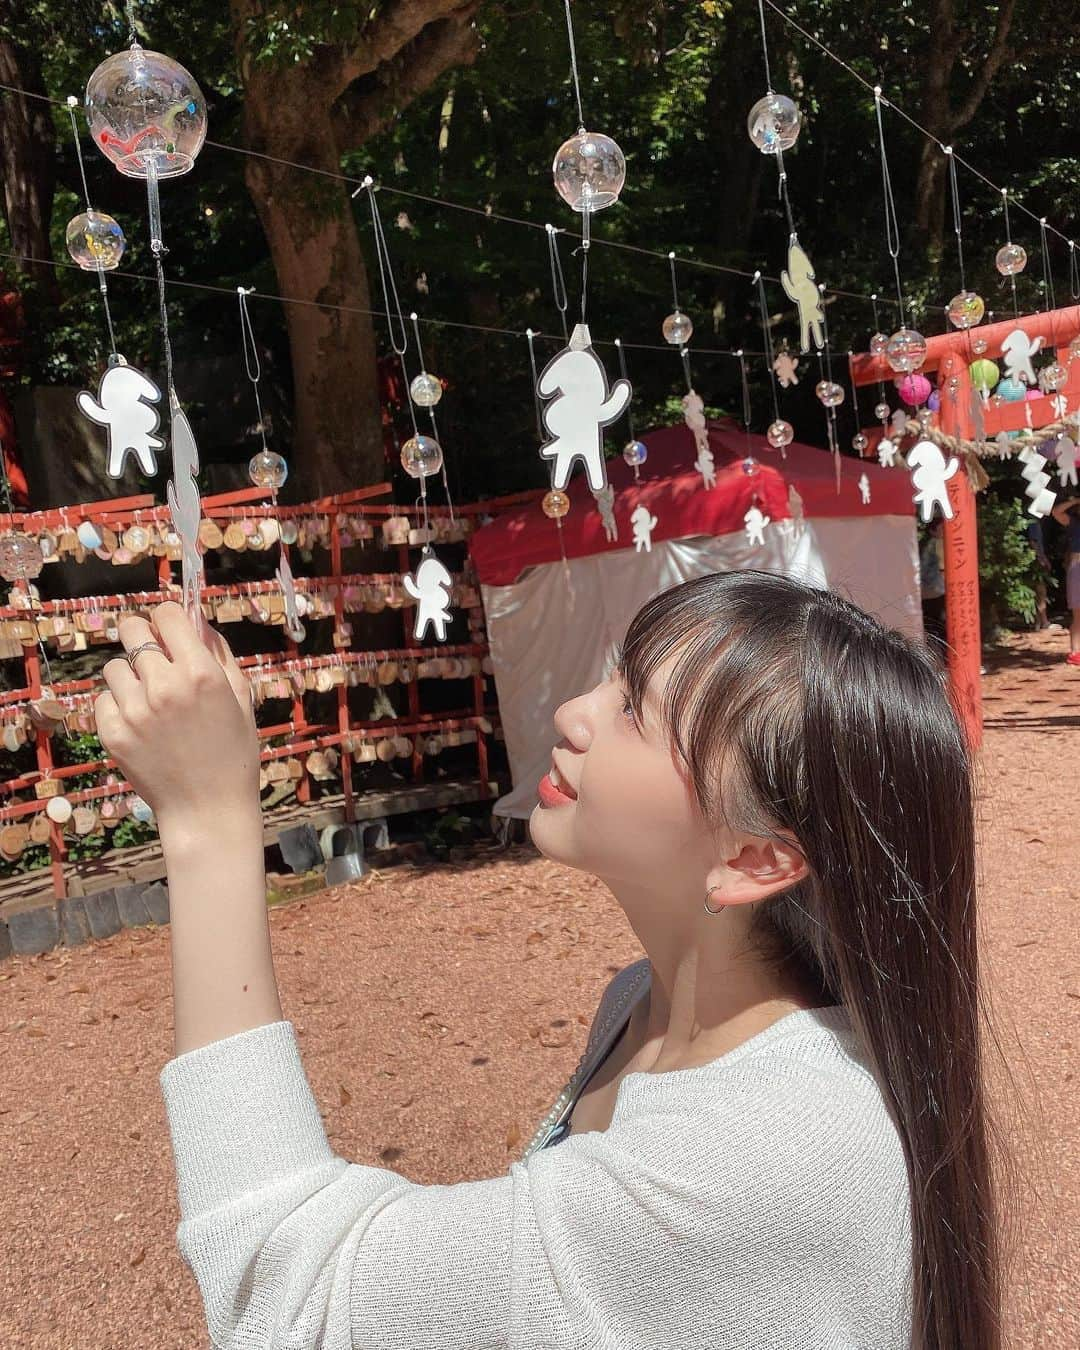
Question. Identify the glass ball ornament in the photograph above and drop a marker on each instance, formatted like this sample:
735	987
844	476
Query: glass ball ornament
773	123
1012	391
830	393
555	504
983	374
879	344
677	328
906	350
750	466
860	442
933	403
1053	377
146	113
268	469
978	346
780	434
635	452
1010	259
914	390
425	389
882	412
589	171
95	240
20	557
965	310
421	456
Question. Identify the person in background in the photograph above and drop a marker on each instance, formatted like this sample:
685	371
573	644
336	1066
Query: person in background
1038	544
1067	513
932	586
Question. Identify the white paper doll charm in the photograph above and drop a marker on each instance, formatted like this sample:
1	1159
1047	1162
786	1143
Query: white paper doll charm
930	476
431	591
185	505
694	417
886	453
284	576
581	406
705	466
798	283
755	521
643	525
785	366
899	425
1017	351
864	489
605	504
1066	461
125	406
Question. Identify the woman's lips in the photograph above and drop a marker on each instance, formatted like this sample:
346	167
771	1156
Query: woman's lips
550	795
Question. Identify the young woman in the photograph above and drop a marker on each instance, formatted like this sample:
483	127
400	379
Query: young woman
788	1144
1067	513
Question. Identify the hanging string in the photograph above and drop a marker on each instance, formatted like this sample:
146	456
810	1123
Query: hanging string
72	104
389	287
769	356
431	411
1008	240
252	364
957	223
825	326
765	48
1074	272
626	377
684	356
674	287
892	225
129	11
877	329
1048	280
854	394
543	436
558	281
583	249
573	67
747	411
782	193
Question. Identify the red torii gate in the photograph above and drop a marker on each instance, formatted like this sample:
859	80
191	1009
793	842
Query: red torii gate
951	354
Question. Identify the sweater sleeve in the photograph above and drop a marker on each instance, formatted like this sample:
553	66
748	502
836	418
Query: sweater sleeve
639	1236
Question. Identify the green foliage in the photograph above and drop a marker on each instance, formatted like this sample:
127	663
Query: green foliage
1007	567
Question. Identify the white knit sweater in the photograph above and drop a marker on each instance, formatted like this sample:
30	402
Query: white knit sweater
758	1202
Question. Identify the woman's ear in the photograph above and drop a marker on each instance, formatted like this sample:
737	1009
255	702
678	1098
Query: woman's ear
759	868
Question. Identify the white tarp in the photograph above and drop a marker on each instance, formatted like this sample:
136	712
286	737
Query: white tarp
553	633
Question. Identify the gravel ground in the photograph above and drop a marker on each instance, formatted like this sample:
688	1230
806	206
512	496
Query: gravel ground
442	1009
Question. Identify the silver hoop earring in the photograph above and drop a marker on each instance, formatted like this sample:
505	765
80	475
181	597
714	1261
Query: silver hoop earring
707	894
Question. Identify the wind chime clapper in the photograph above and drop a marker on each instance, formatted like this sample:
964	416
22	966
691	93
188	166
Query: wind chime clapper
147	116
421	456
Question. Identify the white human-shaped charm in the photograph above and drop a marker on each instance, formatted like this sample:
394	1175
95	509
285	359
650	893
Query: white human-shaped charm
185	506
694	417
930	476
581	406
1059	403
785	366
864	488
899	424
643	525
886	453
125	406
795	505
1001	440
1066	461
431	591
284	577
1017	351
705	466
605	504
798	283
755	521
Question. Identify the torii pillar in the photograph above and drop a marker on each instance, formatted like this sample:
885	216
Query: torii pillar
951	354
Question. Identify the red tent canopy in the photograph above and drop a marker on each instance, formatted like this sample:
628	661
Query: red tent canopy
672	490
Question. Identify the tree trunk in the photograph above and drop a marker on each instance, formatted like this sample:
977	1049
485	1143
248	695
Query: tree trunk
315	247
26	161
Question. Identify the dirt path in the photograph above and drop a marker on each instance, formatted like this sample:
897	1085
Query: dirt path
440	1012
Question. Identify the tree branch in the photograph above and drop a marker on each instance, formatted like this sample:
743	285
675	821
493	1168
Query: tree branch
995	58
395	30
373	102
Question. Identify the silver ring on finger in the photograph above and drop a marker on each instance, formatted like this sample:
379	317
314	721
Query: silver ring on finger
142	647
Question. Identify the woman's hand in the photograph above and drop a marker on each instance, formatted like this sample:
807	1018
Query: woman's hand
181	725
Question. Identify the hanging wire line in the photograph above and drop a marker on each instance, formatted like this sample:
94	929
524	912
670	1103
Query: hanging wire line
72	104
414	317
629	401
827	51
747	410
957	221
892	226
536	393
1048	279
573	67
769	357
389	286
484	212
765	48
825	325
684	356
877	329
674	287
1008	240
782	193
854	394
252	364
1074	272
558	281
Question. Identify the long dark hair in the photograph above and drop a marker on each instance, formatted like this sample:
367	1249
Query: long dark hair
827	728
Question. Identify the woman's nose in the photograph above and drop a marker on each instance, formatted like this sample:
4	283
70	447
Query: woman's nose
573	721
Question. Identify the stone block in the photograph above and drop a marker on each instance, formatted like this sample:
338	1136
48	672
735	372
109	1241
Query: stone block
300	848
74	923
102	913
130	906
34	930
156	900
5	940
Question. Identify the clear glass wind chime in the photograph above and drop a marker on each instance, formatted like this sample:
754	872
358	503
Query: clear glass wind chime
421	455
147	116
